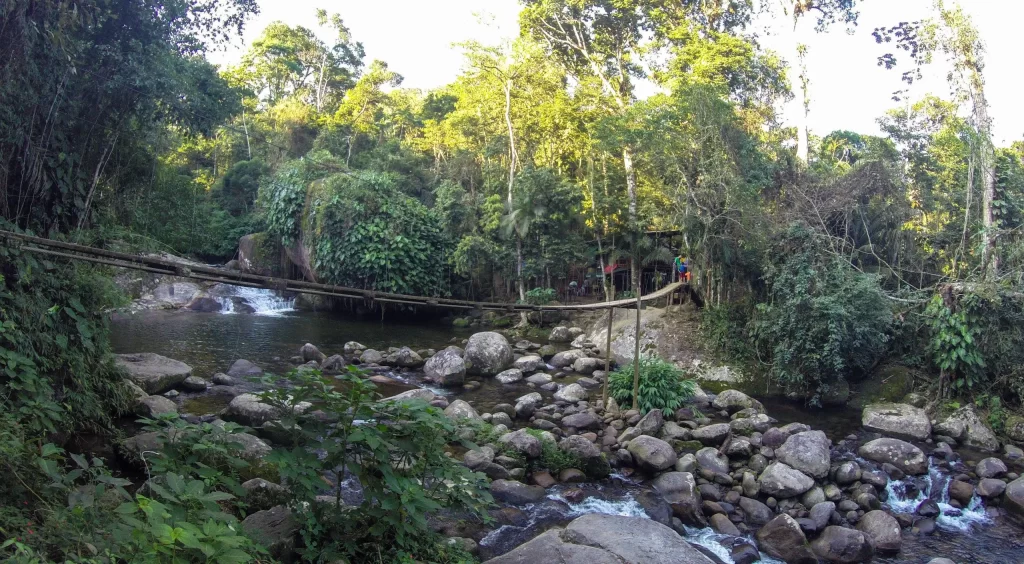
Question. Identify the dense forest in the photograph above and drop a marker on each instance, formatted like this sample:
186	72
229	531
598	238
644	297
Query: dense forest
819	257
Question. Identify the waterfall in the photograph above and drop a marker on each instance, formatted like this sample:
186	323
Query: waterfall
259	301
937	489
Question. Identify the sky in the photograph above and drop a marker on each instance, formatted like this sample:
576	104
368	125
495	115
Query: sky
848	90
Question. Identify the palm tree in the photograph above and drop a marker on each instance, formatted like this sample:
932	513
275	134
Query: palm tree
518	220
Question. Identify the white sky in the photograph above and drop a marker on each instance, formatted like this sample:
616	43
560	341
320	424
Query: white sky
848	90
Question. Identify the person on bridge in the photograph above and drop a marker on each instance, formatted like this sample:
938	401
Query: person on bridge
683	268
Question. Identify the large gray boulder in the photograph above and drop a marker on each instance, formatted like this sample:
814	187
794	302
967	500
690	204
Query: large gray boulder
807	452
711	435
652	454
966	426
153	373
844	546
782	481
516	493
404	358
587	365
581	421
549	547
757	513
632	539
898	420
735	400
488	353
782	538
883	529
247	409
461	409
371	356
566	359
710	459
900	454
560	335
592	461
680	491
529	363
571	393
155	406
510	376
522	442
275	529
414	394
243	369
309	352
1013	498
446	368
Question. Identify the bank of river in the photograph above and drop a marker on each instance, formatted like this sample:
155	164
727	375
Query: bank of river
210	342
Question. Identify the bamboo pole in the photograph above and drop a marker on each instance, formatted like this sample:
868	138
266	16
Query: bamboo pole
607	360
636	356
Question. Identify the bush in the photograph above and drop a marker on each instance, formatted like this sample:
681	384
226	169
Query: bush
540	296
662	385
824	320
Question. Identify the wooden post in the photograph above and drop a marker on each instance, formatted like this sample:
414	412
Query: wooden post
636	356
607	360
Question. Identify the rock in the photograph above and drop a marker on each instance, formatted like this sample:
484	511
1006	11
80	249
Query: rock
516	493
782	481
488	353
813	497
587	365
567	358
353	347
522	442
404	357
547	351
650	424
461	409
415	394
473	459
807	452
618	535
155	406
309	352
261	494
671	430
530	363
588	383
651	454
747	425
153	373
510	376
900	454
848	546
821	513
333	363
582	342
990	487
712	460
251	447
275	529
962	492
711	435
539	379
941	561
371	356
1013	498
559	335
571	393
847	473
584	420
734	400
549	547
738	447
757	513
447	368
749	484
501	418
990	468
543	479
723	526
782	538
194	384
571	475
526	405
220	379
898	420
247	409
967	428
681	493
883	529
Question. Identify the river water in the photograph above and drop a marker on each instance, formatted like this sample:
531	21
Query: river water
210	342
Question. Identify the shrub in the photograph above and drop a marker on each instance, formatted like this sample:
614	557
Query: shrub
824	320
540	296
662	385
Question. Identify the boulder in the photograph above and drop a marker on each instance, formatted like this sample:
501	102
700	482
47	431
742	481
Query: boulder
619	535
488	353
155	406
990	487
747	425
582	421
529	363
723	526
898	420
221	379
275	529
461	409
516	493
782	481
847	546
1013	498
592	462
734	400
247	409
566	359
153	373
651	454
847	473
510	376
782	538
522	442
415	394
757	513
309	352
333	363
571	393
261	494
680	491
371	356
405	358
821	513
194	384
711	435
473	459
968	429
587	365
712	460
990	468
353	347
900	454
549	547
650	424
446	368
883	529
560	335
526	405
807	452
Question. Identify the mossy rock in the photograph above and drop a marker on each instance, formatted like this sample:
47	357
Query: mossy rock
686	446
501	322
890	383
460	323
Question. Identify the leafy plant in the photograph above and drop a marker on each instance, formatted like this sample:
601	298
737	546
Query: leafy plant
954	342
662	385
540	296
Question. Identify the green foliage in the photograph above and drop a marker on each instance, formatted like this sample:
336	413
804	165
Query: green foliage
540	296
663	385
954	342
396	451
724	329
825	320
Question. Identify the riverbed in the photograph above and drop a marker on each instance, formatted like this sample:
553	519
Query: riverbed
210	342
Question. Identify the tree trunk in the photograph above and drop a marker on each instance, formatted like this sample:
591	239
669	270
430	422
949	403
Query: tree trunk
627	165
523	320
636	357
802	152
987	163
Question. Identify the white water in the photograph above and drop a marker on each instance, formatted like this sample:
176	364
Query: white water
949	518
261	300
627	507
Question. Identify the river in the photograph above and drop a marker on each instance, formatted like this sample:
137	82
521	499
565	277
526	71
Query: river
210	342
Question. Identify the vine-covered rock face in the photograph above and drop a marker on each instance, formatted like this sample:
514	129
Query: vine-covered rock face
488	353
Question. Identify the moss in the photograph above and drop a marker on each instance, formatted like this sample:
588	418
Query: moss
501	322
687	446
206	404
460	322
890	383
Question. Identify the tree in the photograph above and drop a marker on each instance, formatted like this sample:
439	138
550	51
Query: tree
359	111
